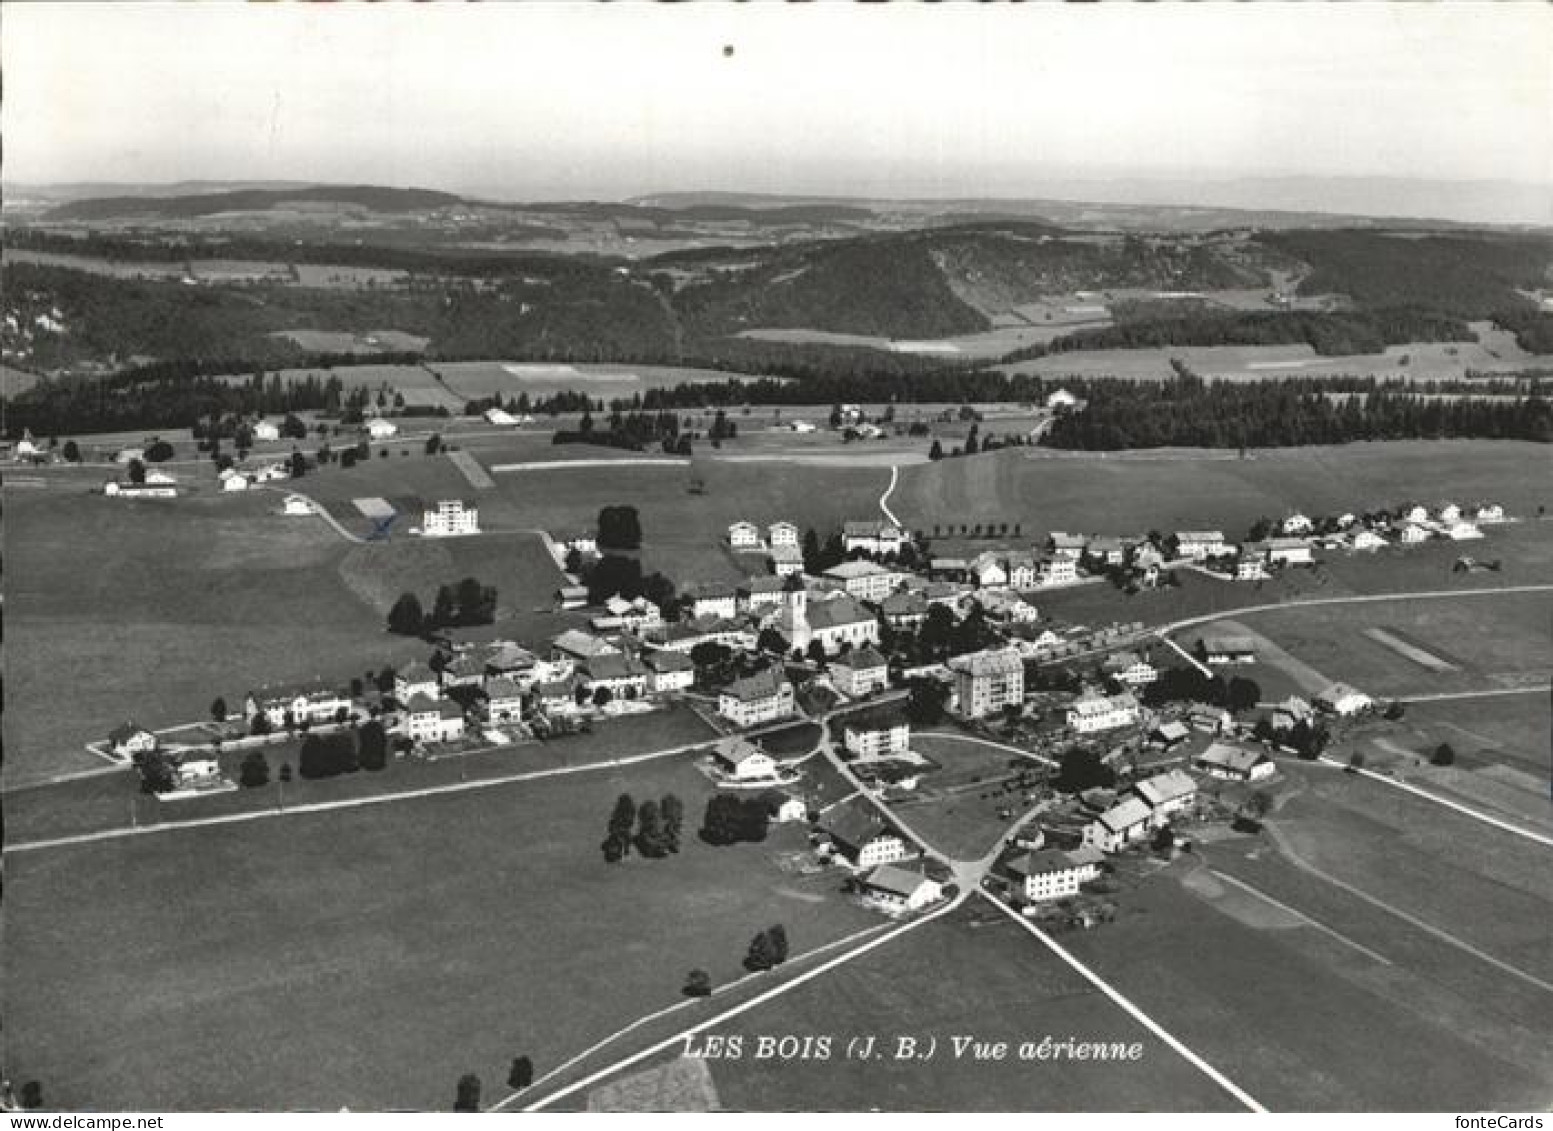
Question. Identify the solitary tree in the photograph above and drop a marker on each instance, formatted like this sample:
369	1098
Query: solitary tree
777	938
32	1095
617	841
71	452
602	696
698	983
372	746
671	810
759	956
1444	755
936	452
521	1074
468	1093
254	771
285	772
649	831
218	709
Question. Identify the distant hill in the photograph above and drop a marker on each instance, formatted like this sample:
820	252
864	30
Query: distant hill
372	198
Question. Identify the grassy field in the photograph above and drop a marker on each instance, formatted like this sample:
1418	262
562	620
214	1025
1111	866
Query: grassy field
950	977
1125	493
1301	1020
369	958
518	565
1488	641
1512	730
134	610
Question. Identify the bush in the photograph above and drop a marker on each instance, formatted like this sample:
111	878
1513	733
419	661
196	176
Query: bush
1444	755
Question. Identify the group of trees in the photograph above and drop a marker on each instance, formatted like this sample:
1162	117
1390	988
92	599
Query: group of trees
619	575
767	949
466	603
730	819
1188	684
653	828
619	528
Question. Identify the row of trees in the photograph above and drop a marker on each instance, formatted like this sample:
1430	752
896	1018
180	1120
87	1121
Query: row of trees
652	828
468	602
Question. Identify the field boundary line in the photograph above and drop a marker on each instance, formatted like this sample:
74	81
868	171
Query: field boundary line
685	1003
744	1007
1357	599
1466	810
1131	1010
1410	919
952	737
1302	917
352	802
557	464
1446	695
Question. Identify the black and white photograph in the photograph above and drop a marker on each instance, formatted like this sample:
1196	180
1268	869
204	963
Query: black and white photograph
776	557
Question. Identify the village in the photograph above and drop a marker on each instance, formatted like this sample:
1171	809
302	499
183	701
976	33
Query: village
1116	740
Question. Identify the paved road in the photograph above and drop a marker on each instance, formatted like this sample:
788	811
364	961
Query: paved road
884	504
318	509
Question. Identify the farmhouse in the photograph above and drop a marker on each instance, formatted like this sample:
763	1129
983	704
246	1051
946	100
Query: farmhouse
1130	668
1449	513
784	807
266	432
557	696
876	735
903	888
1252	563
234	481
987	571
1092	713
1012	608
315	702
1122	824
1061	399
1462	531
127	740
635	616
622	675
988	681
574	644
1062	545
1341	699
1289	551
760	593
433	720
786	560
782	534
1489	512
859	673
463	671
505	659
503	701
860	835
570	597
1234	763
865	580
742	761
197	770
904	610
1220	650
1296	523
1199	545
450	517
500	417
744	536
872	537
668	671
1022	572
1106	550
1171	733
140	490
415	678
1052	874
1166	793
756	699
1410	533
380	429
1366	540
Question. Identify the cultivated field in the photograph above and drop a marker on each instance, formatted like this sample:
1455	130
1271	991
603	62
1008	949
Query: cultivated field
1167	490
368	958
1476	643
989	980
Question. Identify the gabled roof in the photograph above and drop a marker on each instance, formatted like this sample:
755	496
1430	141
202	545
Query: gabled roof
580	643
422	704
1229	644
1231	757
124	731
870	528
757	585
847	571
509	657
712	591
1161	789
1044	861
897	879
784	554
736	751
1061	541
416	672
1124	815
615	665
1199	535
832	614
502	689
1002	661
854	824
449	709
761	685
664	660
862	659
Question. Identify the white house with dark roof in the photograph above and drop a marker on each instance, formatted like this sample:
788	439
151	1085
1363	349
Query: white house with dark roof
433	720
873	537
1050	873
380	429
1295	524
760	698
1126	822
1056	570
668	671
786	560
1199	545
901	887
1063	545
1289	551
415	678
714	599
782	534
1341	699
1023	572
987	570
743	761
861	836
314	702
860	672
1234	763
1166	794
503	700
1091	713
865	580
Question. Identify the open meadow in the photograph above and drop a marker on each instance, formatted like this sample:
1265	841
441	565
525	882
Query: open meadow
148	610
368	958
973	973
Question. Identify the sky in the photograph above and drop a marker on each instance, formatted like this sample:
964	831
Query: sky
552	101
